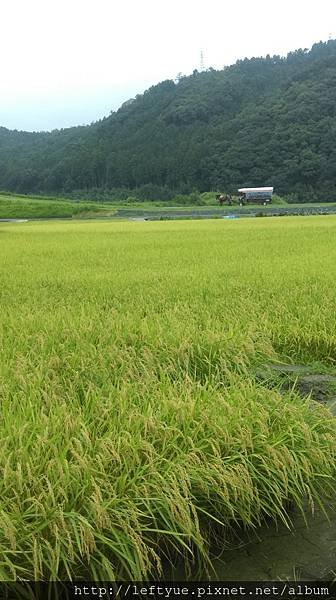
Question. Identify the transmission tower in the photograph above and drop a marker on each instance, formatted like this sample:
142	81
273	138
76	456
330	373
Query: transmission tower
202	61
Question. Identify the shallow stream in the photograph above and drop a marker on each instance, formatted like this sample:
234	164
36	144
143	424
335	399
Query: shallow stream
307	552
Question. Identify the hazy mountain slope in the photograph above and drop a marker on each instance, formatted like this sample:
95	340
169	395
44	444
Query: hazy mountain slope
258	122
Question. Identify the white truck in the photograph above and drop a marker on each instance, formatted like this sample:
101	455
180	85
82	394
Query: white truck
260	195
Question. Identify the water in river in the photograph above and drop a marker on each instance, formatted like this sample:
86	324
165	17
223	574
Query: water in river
305	552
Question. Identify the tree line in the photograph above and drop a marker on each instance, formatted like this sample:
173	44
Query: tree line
263	121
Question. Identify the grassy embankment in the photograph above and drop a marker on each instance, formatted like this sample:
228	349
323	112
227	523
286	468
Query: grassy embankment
26	207
18	207
133	426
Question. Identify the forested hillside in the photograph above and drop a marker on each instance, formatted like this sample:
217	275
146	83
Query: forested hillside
264	121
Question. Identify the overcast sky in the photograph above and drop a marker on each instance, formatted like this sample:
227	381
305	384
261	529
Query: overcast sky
70	62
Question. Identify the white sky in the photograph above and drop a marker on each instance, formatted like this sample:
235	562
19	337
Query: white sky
70	62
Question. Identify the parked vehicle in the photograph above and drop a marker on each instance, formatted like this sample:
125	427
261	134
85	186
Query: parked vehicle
261	195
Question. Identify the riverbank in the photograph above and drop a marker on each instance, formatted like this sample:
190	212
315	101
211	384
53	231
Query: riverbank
12	208
192	213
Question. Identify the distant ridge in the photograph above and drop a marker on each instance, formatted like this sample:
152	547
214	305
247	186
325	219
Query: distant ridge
263	121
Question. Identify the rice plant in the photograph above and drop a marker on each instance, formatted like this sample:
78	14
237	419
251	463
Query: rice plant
133	428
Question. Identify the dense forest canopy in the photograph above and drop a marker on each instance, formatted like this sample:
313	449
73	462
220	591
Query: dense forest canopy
263	121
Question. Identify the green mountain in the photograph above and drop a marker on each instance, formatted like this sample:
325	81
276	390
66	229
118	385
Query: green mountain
263	121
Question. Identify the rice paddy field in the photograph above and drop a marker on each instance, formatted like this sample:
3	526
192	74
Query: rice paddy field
134	427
